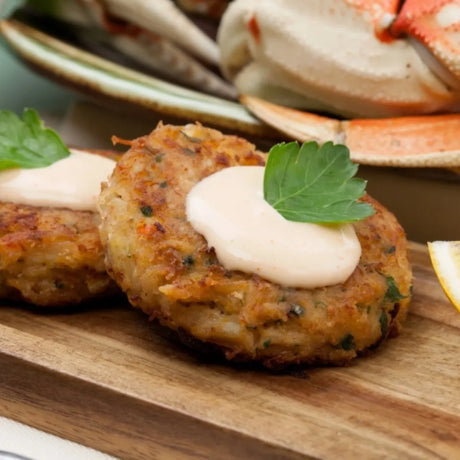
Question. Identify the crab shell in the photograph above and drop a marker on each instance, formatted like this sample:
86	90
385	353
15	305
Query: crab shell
354	58
434	27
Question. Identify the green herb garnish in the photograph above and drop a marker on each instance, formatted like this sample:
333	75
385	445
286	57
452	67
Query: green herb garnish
348	342
383	320
58	284
147	211
314	184
27	143
188	260
393	294
159	157
390	250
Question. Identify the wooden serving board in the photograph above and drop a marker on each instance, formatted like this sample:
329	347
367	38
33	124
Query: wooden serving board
105	378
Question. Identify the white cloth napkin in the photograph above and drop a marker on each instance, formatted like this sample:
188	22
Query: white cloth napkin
37	445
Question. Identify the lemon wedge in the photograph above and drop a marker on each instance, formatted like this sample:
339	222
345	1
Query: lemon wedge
445	257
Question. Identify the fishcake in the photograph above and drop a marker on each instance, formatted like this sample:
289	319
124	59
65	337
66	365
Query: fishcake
52	257
167	269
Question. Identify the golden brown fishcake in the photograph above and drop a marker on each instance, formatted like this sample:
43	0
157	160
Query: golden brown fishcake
50	256
167	269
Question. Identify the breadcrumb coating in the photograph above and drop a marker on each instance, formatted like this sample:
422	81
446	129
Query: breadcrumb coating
167	269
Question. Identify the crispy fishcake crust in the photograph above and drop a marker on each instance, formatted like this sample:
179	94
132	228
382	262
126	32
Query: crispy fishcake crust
167	270
50	256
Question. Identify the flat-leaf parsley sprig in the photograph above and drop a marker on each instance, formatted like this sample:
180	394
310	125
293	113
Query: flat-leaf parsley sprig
26	143
314	184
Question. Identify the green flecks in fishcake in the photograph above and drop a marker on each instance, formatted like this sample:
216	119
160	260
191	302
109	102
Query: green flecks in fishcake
58	284
159	157
267	343
348	342
188	261
163	184
393	294
390	250
147	211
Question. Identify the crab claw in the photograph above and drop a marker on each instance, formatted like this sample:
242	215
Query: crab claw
335	56
420	141
164	18
434	25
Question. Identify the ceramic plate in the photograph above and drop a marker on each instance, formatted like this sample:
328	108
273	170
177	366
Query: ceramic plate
116	83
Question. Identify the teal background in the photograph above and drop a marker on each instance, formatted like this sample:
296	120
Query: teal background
20	87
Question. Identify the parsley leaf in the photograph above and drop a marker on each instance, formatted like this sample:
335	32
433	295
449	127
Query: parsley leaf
393	294
314	184
27	143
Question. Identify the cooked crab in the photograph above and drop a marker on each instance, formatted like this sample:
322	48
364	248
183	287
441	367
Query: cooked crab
418	141
353	58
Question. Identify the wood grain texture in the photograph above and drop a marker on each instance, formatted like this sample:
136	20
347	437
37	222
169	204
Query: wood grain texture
104	377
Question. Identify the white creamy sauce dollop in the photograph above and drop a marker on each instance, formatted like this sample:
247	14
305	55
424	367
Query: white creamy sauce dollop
248	234
73	182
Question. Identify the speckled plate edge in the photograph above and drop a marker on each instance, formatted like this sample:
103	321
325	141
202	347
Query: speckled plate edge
88	72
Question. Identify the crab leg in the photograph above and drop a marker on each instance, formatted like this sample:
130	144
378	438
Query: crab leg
164	18
419	141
